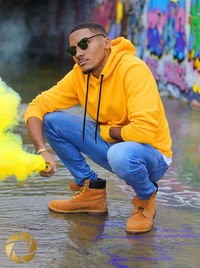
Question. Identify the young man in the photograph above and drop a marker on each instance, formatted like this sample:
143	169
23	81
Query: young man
129	135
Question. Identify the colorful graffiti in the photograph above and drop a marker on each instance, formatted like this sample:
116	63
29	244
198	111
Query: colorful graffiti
153	65
194	41
171	35
120	18
175	74
134	12
166	28
109	14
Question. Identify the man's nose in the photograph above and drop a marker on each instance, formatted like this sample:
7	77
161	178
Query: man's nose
79	52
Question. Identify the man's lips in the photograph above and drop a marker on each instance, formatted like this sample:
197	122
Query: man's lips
82	62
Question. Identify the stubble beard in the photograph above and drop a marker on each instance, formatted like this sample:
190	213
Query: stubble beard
88	71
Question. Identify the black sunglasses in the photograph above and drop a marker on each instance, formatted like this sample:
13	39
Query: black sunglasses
83	44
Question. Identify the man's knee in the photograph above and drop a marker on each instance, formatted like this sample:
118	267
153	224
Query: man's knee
54	120
50	117
125	161
118	160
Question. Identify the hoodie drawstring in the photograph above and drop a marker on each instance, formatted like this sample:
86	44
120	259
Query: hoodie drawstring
97	120
86	98
98	108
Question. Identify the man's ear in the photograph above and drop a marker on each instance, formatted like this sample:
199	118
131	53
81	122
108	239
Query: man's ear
107	43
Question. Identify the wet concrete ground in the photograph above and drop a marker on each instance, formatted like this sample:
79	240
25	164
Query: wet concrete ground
83	240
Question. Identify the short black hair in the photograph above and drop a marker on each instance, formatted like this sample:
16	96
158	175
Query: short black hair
93	27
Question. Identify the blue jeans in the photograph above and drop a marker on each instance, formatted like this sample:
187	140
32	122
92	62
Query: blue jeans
138	164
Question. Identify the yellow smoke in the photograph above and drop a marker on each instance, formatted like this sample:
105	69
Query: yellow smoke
14	161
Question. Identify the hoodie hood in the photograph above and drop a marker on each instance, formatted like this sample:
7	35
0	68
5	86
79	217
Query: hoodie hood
119	47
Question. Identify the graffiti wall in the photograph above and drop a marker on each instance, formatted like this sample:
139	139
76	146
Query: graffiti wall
173	46
119	18
166	35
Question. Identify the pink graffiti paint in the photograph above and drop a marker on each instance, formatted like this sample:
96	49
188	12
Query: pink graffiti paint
101	13
180	20
157	19
175	74
153	66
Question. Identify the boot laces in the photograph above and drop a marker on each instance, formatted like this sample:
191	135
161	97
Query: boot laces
82	189
139	209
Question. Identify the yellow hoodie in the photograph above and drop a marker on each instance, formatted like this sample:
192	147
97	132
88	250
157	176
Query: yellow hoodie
129	98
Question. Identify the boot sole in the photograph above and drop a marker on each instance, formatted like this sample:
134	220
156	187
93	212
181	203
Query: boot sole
92	212
129	231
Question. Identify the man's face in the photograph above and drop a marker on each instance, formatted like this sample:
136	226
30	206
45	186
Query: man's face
92	59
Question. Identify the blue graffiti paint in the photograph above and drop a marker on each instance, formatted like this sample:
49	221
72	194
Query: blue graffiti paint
179	46
116	260
166	28
169	29
161	5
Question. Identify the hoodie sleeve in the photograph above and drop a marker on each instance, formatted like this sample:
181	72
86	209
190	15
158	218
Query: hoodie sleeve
61	96
142	103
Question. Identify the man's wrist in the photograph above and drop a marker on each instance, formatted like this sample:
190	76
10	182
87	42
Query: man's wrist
41	150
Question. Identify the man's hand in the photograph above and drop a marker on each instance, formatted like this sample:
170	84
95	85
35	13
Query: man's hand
48	158
34	126
115	133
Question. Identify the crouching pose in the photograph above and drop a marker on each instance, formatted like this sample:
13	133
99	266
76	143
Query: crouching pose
129	133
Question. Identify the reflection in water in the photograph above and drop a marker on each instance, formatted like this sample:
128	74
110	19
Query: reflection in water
82	240
82	228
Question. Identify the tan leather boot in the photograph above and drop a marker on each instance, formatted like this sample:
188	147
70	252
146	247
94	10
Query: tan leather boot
91	199
74	187
142	217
